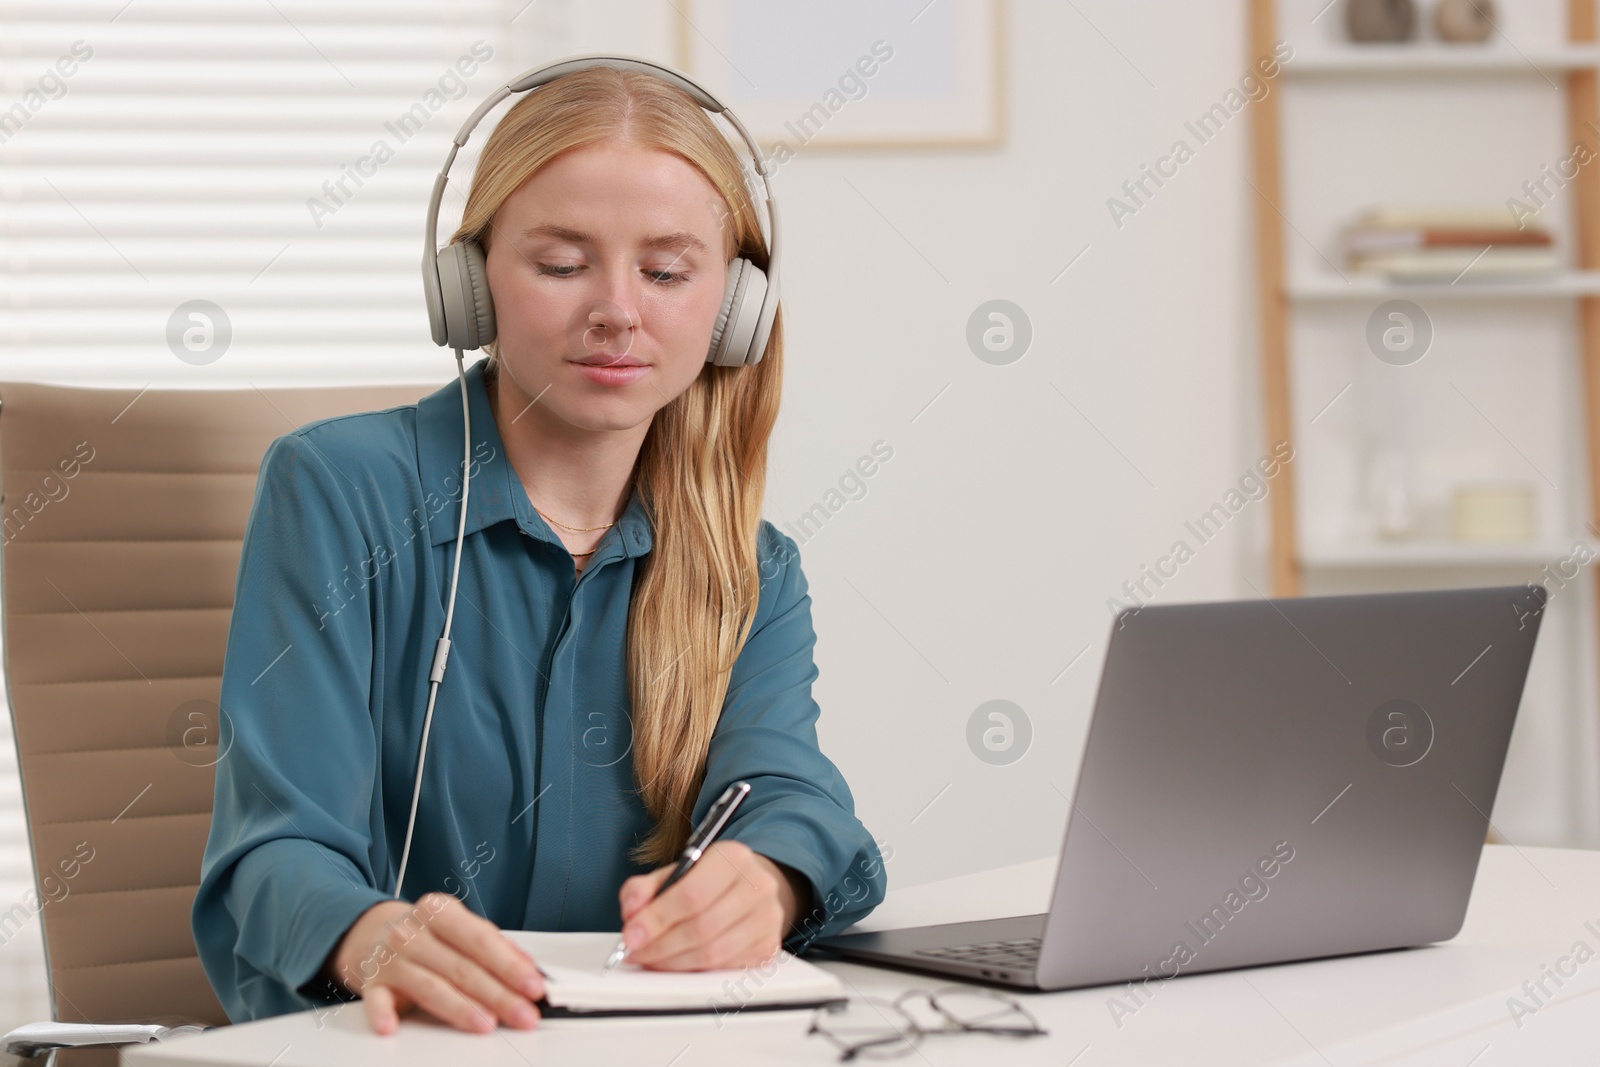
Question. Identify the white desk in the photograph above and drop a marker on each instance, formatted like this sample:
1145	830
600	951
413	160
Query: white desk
1442	1004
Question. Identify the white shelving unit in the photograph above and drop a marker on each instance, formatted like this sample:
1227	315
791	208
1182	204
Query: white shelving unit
1510	390
1572	67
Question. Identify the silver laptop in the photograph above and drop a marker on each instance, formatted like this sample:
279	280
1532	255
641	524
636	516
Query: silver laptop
1265	780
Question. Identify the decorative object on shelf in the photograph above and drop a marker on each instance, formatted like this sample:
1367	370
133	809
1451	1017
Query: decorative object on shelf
1464	243
1495	513
1374	21
1390	510
1465	21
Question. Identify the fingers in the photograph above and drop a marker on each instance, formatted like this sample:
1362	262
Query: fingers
690	896
467	977
637	891
746	943
481	940
455	965
441	998
726	912
382	1014
695	921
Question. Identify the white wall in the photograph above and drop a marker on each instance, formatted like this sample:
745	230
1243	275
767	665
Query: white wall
989	545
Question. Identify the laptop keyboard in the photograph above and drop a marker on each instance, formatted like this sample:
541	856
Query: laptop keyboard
1022	953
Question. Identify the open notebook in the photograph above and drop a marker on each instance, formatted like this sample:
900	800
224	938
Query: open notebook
576	985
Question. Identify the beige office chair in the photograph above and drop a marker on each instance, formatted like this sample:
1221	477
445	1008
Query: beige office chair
121	519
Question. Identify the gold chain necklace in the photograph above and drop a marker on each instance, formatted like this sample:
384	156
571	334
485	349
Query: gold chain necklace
576	529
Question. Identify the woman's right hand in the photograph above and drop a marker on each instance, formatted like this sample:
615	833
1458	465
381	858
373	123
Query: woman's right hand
437	955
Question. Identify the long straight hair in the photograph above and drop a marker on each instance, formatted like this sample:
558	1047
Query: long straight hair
701	471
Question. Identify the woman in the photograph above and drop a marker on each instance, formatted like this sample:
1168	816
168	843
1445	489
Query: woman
630	636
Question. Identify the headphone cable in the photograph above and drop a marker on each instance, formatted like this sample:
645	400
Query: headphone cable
441	650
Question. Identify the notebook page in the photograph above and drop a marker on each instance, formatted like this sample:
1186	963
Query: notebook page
573	963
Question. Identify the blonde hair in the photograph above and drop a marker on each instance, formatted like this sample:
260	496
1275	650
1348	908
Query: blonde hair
701	471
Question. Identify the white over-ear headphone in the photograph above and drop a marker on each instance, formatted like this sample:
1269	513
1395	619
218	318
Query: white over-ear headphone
455	284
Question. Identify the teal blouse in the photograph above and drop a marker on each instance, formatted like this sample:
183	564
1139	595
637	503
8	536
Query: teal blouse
528	807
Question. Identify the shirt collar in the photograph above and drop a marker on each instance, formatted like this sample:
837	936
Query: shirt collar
496	493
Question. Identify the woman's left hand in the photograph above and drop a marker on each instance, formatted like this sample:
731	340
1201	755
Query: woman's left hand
732	909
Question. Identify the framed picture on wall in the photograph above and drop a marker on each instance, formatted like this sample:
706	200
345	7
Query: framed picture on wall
848	73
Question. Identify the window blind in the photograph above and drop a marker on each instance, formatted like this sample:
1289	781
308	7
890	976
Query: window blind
272	158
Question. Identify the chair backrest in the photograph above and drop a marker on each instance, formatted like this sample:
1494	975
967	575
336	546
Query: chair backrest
121	520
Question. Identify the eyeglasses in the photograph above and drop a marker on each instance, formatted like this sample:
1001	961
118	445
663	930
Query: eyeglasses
876	1028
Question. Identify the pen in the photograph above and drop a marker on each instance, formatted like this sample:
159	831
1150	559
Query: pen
710	827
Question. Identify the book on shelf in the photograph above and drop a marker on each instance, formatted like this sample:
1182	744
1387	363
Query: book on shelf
1465	264
1448	243
1439	216
1366	241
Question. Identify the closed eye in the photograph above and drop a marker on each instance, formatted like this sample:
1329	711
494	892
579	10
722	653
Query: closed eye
569	270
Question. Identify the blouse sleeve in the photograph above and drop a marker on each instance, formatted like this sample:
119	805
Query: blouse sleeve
799	812
287	866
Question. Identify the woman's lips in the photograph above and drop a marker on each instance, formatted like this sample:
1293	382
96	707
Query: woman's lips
603	374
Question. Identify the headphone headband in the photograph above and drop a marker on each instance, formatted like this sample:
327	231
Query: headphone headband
433	290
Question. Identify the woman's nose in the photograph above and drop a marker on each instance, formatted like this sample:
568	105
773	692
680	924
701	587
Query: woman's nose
602	325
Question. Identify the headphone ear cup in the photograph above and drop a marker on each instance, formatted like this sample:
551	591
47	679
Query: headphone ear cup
734	331
464	285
